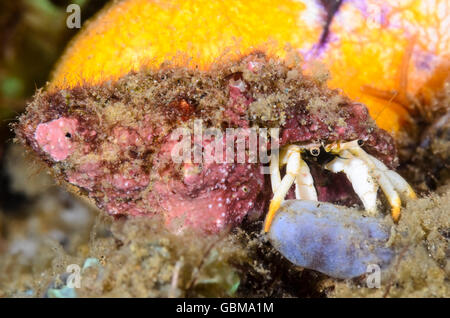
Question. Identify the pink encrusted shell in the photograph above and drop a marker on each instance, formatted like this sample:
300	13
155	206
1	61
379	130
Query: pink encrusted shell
55	137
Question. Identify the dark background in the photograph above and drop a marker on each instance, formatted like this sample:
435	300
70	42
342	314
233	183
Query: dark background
33	34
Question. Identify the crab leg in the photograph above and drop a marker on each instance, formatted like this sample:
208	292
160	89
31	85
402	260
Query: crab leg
397	181
383	181
390	182
297	172
359	176
275	177
293	156
304	184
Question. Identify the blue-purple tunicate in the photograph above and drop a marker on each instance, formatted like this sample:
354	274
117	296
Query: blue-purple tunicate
336	241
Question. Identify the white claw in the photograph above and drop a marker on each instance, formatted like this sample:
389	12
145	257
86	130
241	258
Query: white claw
358	173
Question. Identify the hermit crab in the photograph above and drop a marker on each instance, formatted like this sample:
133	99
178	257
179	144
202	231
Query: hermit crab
143	69
361	169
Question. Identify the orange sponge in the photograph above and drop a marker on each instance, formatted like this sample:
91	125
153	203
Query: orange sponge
378	52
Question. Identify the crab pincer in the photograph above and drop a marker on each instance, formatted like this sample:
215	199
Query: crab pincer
336	241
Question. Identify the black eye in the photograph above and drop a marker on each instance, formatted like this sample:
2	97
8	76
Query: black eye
360	142
315	152
68	135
